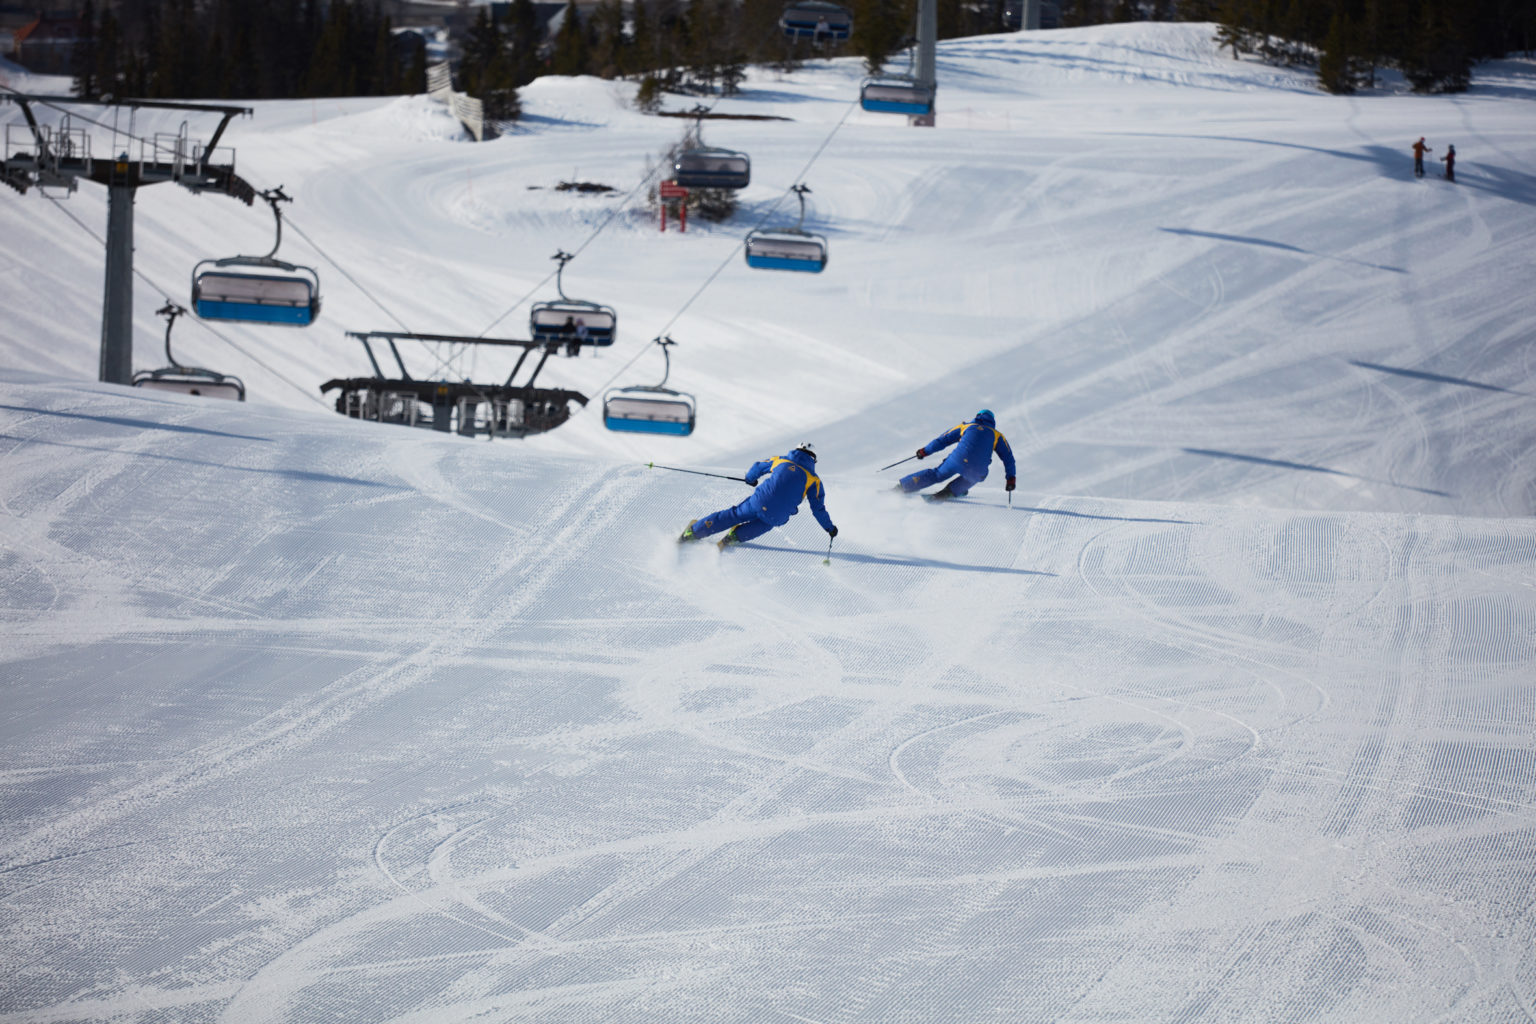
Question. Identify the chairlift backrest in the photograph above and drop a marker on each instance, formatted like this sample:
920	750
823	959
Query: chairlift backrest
709	167
817	20
267	298
649	411
228	387
569	320
896	95
786	250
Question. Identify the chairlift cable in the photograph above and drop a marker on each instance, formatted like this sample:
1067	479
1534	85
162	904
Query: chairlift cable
620	208
730	257
163	291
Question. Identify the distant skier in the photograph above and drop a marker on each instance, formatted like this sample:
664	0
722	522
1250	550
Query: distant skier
968	463
1419	149
1450	163
781	483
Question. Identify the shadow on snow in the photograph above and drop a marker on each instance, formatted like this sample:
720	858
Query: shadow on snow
1286	464
123	421
1286	246
292	474
909	563
1438	378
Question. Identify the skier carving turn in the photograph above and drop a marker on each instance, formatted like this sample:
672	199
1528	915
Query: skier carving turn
974	441
781	483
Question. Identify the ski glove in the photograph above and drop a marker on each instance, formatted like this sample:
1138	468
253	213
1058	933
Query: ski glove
922	453
1011	482
832	532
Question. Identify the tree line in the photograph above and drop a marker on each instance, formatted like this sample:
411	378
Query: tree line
235	49
293	48
1433	43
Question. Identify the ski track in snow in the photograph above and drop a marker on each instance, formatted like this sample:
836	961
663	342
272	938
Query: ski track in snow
1226	717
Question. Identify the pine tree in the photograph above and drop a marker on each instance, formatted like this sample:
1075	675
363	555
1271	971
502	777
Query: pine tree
571	47
85	57
879	26
524	38
1334	65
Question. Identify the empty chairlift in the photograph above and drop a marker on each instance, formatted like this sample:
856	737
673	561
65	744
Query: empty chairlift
816	20
188	380
701	166
572	322
788	248
257	289
897	94
651	408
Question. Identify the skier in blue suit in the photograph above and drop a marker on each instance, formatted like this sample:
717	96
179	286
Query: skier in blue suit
974	442
781	483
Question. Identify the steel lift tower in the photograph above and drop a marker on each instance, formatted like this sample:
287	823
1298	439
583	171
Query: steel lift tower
48	156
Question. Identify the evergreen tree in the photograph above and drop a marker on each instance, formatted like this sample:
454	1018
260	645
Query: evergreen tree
879	27
524	38
1334	66
85	57
609	43
571	46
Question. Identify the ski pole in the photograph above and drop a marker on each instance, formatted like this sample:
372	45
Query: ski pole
828	559
893	465
696	472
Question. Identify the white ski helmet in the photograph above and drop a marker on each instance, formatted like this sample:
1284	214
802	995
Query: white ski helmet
808	448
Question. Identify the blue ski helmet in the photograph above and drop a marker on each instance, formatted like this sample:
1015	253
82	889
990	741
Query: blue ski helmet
985	416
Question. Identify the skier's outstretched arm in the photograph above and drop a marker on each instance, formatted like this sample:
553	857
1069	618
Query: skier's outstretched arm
944	440
1006	454
818	501
756	471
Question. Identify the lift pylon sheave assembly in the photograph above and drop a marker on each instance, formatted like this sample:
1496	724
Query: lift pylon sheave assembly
651	408
462	407
258	289
571	322
788	248
44	156
701	166
816	20
188	380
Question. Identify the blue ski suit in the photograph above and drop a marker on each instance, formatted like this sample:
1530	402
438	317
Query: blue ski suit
781	483
977	440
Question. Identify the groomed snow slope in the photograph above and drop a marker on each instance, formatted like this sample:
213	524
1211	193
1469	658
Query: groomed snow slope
309	719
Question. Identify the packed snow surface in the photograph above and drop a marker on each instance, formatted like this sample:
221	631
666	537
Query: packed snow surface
1227	715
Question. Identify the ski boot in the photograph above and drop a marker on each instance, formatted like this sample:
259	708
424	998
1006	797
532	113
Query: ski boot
941	495
729	540
687	534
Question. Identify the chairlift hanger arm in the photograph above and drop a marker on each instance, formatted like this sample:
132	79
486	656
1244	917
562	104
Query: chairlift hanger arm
37	131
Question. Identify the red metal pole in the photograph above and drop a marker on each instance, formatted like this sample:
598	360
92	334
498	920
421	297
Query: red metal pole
682	216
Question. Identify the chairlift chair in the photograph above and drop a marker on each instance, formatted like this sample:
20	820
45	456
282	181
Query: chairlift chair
896	94
701	166
816	20
257	289
187	380
651	408
572	322
788	248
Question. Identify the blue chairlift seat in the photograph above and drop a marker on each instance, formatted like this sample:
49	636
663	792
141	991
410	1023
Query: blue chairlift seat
711	167
263	291
565	320
786	249
649	410
816	20
896	94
